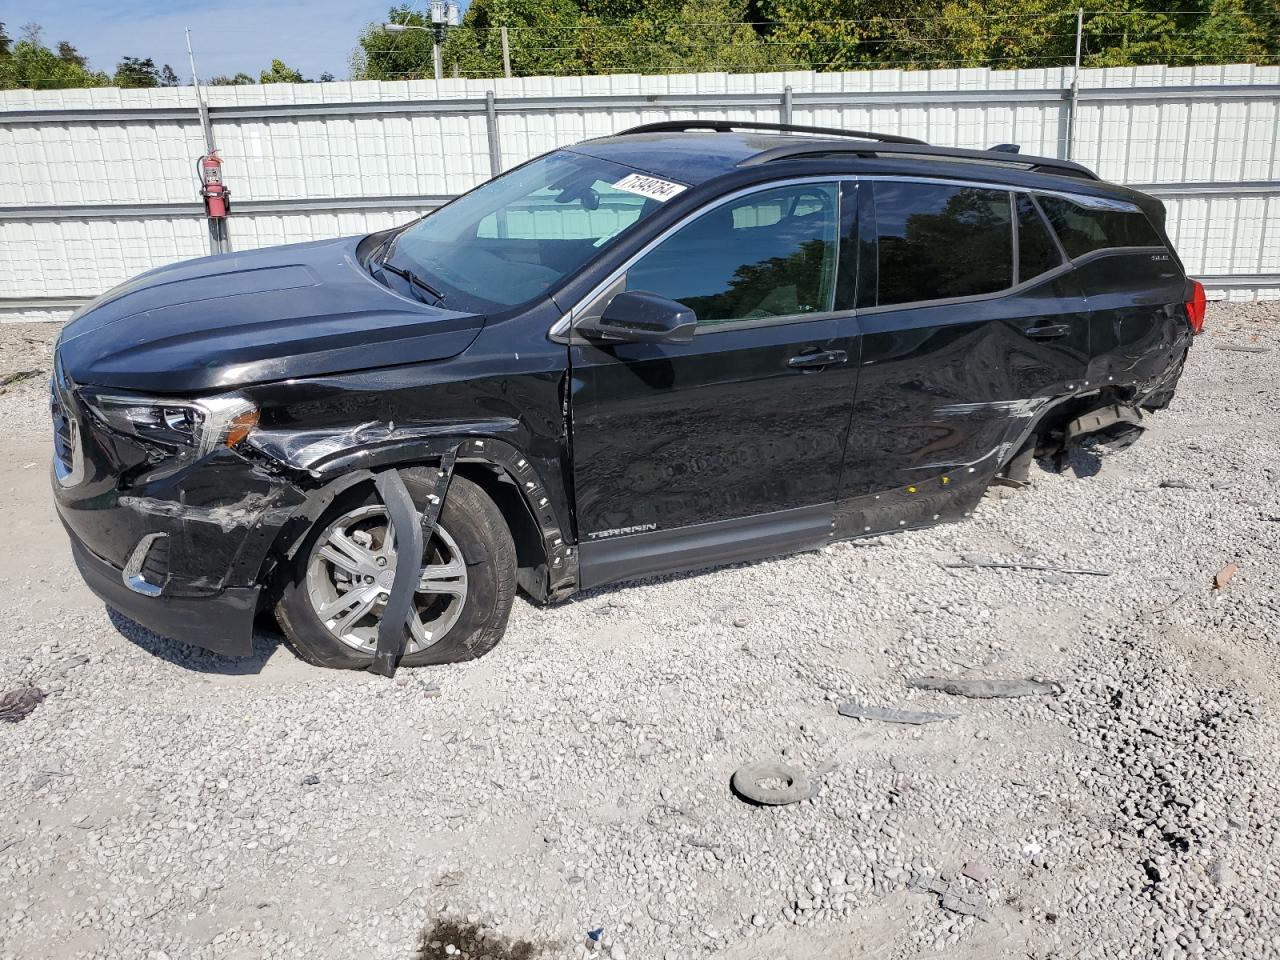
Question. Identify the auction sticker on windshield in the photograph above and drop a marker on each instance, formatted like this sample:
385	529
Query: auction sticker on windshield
651	187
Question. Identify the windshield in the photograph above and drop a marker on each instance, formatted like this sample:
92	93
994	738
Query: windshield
514	238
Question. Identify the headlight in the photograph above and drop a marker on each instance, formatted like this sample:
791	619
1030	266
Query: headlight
203	425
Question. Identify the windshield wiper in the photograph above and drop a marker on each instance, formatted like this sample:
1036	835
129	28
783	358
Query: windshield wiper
413	279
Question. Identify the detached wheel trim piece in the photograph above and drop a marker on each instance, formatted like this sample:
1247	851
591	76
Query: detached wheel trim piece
352	612
748	782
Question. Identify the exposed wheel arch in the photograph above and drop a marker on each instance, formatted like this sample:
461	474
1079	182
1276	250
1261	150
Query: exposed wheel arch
547	559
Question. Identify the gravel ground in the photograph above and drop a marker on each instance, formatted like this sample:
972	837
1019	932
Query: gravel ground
165	803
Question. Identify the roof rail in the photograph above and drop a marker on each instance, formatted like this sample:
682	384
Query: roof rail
728	126
914	148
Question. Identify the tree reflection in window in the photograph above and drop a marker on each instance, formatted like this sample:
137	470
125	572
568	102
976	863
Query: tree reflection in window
772	254
777	287
938	241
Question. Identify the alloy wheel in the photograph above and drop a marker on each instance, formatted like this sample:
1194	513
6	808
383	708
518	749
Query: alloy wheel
352	567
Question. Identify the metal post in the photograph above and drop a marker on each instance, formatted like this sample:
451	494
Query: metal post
219	241
1074	107
506	54
491	126
437	50
786	104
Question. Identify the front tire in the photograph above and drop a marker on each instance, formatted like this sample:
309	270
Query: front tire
336	584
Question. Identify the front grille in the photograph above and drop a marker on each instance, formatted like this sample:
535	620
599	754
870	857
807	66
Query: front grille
63	435
68	458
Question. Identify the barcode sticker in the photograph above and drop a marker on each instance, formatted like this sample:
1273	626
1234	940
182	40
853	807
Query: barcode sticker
651	187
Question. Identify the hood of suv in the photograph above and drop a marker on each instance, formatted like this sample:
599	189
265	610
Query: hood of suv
219	322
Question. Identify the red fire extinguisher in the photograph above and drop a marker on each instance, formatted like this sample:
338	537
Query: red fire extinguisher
217	198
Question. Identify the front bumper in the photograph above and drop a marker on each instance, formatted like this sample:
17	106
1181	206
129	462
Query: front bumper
222	622
213	521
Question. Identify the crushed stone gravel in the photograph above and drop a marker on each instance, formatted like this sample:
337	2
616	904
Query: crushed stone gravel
166	803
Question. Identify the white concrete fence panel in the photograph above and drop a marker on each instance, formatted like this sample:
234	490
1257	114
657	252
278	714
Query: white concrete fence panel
97	185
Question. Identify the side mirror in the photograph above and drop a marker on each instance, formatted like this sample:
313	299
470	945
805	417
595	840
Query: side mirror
639	317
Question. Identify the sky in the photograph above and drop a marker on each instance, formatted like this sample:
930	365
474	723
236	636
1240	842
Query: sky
228	35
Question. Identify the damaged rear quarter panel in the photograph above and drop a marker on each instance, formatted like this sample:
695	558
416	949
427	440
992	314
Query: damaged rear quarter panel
1138	331
949	390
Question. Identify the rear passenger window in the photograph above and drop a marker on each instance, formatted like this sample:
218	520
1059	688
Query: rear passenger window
939	241
1096	224
770	254
1037	253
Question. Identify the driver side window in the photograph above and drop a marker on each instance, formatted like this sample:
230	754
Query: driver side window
770	254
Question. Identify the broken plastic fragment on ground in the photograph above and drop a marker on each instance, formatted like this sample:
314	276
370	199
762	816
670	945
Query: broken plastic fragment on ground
950	897
8	379
969	560
18	704
986	688
1241	348
861	711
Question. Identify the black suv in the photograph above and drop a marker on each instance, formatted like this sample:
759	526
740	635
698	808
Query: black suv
687	344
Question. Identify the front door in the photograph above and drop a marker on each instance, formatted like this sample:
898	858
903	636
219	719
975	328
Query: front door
729	446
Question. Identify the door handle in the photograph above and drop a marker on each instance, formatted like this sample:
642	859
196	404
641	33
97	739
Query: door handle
816	361
1051	332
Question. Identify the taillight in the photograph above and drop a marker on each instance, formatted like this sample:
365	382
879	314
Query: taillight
1196	306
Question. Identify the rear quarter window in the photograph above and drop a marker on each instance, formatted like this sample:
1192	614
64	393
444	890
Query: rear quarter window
1084	227
1037	251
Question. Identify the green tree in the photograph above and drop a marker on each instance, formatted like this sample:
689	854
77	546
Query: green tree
6	43
692	37
39	68
135	72
549	37
281	73
69	54
845	34
168	77
542	36
1006	34
239	80
546	37
1127	32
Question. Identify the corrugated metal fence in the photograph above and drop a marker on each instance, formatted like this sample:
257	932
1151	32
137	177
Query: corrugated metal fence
98	185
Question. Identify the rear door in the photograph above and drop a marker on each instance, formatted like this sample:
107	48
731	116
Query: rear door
728	447
971	322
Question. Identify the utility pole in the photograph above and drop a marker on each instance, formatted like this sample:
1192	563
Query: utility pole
1075	86
506	54
219	241
443	16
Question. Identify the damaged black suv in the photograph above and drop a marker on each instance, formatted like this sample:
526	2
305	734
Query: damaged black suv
687	344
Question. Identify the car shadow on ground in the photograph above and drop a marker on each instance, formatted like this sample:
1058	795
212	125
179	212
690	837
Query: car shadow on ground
196	659
1081	462
604	591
